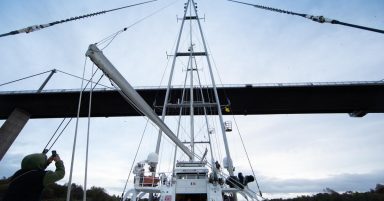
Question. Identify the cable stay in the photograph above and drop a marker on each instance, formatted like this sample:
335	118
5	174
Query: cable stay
46	148
53	70
319	19
42	26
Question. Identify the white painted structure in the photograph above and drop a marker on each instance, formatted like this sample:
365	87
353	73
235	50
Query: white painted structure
195	179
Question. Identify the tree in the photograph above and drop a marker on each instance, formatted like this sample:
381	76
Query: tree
379	188
98	194
77	192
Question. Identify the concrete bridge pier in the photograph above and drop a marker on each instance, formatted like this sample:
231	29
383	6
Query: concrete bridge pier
11	129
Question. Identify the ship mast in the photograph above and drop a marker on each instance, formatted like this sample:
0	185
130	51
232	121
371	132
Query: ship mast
190	179
190	14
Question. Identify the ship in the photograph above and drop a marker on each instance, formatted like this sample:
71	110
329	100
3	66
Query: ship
196	175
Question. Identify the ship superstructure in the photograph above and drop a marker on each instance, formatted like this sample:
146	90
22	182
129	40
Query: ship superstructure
196	174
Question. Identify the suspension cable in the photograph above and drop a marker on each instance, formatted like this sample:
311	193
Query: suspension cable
319	19
42	26
26	77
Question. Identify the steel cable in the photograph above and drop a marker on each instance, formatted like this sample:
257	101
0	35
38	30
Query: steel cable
111	37
66	125
26	77
319	19
134	159
42	26
246	153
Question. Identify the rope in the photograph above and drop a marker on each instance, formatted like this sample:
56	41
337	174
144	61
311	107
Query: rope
319	19
111	37
179	123
42	26
87	144
211	96
54	142
26	77
235	184
246	153
163	75
45	150
130	102
134	159
75	136
206	117
72	75
53	136
96	83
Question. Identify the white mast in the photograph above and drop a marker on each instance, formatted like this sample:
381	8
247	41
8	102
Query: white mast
191	8
170	81
191	109
217	101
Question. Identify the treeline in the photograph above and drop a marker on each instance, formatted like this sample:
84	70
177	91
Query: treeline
376	194
56	192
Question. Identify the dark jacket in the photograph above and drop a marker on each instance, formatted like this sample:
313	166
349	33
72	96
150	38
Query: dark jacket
28	183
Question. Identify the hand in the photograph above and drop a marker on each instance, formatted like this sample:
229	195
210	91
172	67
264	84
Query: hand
56	158
50	159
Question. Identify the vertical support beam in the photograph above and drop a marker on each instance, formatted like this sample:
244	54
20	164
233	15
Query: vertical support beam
46	81
229	158
170	80
11	129
16	122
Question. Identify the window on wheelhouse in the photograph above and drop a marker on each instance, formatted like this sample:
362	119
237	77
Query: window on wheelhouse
191	176
191	197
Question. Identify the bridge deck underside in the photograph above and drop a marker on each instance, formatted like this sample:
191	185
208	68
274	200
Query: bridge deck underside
243	101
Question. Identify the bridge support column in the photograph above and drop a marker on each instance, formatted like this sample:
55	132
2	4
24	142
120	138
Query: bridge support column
11	129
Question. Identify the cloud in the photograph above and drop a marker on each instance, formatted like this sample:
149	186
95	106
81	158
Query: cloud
339	183
10	163
249	46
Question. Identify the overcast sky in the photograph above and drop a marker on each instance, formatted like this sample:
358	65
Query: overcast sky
291	154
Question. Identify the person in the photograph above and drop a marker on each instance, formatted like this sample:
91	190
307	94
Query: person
28	183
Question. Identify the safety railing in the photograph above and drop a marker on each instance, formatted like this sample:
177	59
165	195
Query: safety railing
147	180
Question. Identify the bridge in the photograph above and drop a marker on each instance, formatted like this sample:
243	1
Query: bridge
354	98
